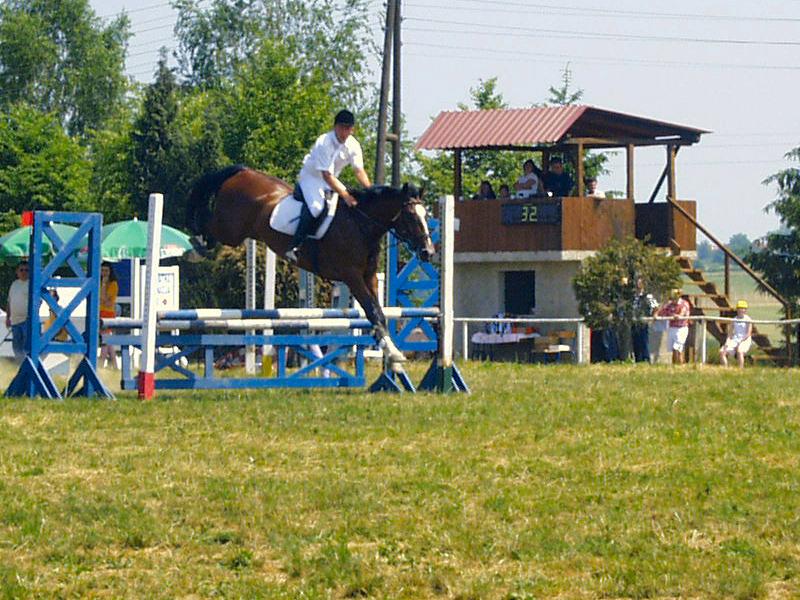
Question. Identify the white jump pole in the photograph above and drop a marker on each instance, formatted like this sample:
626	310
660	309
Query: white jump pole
446	300
269	300
250	302
146	384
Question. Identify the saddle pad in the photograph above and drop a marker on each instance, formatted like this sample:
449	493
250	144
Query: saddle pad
285	216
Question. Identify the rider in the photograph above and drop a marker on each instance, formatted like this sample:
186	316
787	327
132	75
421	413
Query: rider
331	153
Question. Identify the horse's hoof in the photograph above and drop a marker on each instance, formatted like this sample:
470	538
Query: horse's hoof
291	256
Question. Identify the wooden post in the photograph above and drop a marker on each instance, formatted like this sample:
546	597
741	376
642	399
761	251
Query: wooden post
629	167
727	276
457	174
671	194
396	96
380	153
579	170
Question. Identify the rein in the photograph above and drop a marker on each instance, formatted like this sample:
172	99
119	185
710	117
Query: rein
385	228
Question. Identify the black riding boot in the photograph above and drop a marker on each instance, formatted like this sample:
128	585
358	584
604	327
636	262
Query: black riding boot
304	226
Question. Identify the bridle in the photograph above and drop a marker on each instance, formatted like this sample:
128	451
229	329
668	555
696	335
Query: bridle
393	222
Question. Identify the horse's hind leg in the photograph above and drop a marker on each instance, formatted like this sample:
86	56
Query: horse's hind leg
372	308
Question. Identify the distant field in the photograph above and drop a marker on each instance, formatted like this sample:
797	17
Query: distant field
575	482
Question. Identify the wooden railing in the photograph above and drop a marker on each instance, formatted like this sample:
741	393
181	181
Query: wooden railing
730	256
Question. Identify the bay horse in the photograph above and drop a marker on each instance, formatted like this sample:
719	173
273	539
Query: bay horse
244	199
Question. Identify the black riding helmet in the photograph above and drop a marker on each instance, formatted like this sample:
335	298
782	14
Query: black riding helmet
344	117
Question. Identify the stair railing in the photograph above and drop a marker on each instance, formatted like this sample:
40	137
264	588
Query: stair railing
729	255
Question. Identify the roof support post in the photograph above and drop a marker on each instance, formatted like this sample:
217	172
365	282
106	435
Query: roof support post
629	160
671	193
579	171
457	174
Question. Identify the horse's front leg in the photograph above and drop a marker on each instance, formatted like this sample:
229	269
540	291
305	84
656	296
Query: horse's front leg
367	298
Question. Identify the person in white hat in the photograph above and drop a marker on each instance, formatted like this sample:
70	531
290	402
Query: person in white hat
740	336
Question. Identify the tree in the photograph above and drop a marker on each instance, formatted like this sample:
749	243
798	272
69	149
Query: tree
498	167
40	166
605	285
156	146
322	35
778	258
57	56
564	95
740	244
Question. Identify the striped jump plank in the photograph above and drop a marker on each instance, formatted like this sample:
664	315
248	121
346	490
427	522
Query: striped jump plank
391	312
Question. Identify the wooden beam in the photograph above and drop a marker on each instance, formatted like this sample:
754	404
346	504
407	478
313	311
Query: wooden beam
671	190
579	170
457	175
624	141
629	169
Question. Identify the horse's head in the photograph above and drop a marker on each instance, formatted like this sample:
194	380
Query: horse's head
411	225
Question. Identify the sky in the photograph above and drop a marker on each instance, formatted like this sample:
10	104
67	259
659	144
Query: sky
731	67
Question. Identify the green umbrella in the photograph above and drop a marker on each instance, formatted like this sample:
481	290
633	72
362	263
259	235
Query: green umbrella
15	245
128	239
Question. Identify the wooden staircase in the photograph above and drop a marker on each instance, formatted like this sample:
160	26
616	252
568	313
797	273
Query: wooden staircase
712	302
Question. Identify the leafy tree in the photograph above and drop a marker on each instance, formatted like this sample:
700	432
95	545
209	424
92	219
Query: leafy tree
59	57
274	112
740	244
157	146
40	166
331	35
779	258
605	285
565	95
498	167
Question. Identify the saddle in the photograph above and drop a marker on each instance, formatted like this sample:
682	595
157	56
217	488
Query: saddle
297	194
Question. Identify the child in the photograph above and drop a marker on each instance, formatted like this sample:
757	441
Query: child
740	336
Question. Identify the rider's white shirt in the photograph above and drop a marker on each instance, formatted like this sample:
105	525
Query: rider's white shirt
327	154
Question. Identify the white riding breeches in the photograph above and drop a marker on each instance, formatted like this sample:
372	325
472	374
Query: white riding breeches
314	189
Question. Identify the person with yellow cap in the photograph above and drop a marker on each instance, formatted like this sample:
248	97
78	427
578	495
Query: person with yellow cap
740	336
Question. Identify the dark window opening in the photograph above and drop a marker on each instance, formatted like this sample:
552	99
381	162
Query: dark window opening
520	292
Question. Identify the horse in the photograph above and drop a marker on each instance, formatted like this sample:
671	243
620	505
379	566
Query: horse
244	198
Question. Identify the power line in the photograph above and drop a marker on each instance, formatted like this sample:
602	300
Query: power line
589	59
599	12
136	10
539	33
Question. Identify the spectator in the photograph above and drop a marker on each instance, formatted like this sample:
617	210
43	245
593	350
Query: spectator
644	305
678	308
528	184
556	181
17	311
109	289
485	192
505	194
740	336
591	188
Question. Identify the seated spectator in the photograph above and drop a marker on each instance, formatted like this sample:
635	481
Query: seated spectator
485	192
556	181
505	194
591	188
740	336
528	184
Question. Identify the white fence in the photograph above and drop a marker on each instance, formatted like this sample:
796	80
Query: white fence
581	329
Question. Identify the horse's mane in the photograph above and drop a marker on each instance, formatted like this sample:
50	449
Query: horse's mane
377	193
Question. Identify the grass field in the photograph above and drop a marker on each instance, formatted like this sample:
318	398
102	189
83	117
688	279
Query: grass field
546	481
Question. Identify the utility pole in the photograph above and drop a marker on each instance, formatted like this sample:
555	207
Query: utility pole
391	66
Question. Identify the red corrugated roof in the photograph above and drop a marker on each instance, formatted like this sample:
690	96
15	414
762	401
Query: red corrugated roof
544	125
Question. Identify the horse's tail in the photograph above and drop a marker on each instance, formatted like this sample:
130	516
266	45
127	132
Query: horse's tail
198	209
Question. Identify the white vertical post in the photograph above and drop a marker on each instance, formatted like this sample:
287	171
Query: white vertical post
704	337
579	353
464	340
146	382
446	300
269	294
250	303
